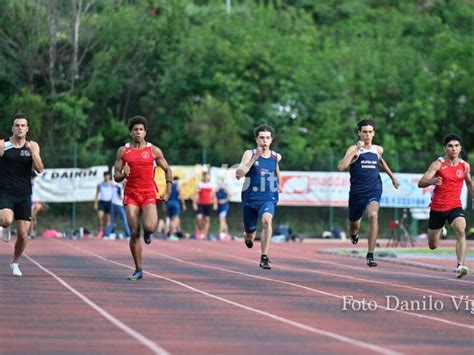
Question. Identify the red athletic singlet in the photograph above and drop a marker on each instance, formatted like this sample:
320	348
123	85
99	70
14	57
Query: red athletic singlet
142	169
205	190
448	195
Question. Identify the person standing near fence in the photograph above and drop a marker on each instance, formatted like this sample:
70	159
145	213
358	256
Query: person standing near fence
17	158
260	191
103	203
222	195
117	212
364	160
136	162
448	175
173	206
203	203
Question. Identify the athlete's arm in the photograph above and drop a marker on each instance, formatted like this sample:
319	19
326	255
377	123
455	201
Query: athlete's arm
214	200
351	153
468	179
278	175
2	147
429	177
383	164
119	174
248	159
181	198
35	156
163	164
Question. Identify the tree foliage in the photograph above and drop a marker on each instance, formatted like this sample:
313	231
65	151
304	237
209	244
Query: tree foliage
205	78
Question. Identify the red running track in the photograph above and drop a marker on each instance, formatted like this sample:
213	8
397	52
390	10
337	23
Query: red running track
212	298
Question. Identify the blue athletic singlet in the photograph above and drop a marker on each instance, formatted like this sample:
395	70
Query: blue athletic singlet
174	196
364	172
260	181
221	194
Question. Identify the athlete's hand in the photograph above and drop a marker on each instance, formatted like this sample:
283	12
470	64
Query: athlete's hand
126	170
395	183
165	196
359	144
437	180
32	146
258	152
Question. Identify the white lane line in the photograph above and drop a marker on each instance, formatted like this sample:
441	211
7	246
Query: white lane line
451	279
437	319
349	277
295	324
133	333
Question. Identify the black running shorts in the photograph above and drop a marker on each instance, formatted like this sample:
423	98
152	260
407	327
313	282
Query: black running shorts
19	203
439	218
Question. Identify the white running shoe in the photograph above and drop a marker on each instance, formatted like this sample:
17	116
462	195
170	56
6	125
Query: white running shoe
444	233
6	234
461	271
16	269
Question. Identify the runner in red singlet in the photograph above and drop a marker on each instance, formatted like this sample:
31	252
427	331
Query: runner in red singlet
136	162
448	174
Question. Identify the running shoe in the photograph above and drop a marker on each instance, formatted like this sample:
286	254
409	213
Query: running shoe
148	237
249	243
371	262
354	239
137	275
16	269
461	271
265	262
6	234
444	233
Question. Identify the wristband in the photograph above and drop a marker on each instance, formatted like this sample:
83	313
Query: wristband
169	182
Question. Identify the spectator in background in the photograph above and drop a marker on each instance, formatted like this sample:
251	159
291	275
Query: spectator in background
103	202
117	212
173	205
222	195
204	201
36	207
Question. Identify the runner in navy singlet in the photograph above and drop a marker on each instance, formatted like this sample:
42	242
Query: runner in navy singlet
260	190
364	160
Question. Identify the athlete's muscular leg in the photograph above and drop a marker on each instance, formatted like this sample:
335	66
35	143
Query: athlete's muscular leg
267	230
100	217
135	244
433	238
22	228
150	218
199	223
207	222
6	217
354	227
459	227
373	214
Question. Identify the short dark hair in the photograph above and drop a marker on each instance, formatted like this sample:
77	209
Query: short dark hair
137	120
366	122
175	178
263	128
19	115
452	137
107	173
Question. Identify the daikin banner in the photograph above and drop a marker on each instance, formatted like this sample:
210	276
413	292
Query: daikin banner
300	188
68	184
